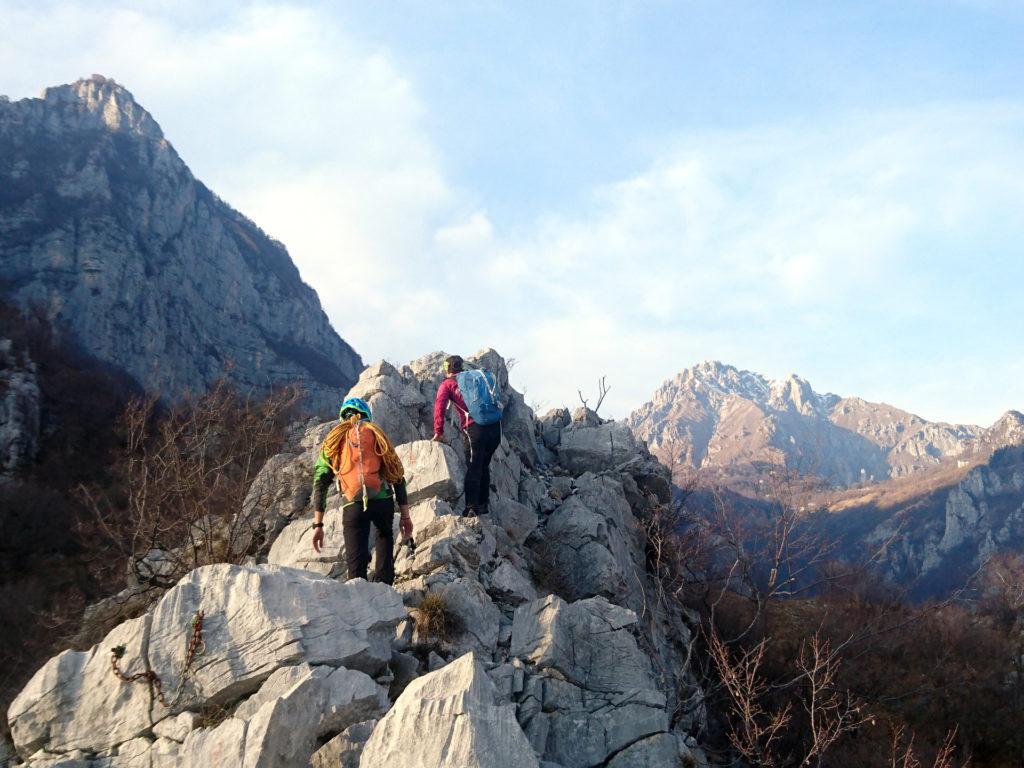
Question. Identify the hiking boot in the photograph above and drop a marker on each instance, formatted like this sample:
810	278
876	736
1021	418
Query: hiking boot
483	510
469	512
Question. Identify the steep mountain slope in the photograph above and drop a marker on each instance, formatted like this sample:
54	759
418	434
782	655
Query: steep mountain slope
932	532
104	226
715	416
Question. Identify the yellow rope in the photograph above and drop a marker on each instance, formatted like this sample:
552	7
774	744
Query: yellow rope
335	441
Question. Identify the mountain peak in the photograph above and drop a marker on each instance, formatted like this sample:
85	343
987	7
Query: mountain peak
99	101
158	276
1008	429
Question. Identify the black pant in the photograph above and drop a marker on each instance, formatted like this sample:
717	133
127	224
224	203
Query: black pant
483	442
356	525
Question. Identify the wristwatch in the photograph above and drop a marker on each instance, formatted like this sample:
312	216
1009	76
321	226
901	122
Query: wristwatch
318	525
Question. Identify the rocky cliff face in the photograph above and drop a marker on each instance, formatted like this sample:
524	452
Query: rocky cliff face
104	226
933	536
19	409
557	650
718	417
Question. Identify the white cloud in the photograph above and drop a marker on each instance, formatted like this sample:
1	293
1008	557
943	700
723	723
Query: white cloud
801	247
778	247
474	234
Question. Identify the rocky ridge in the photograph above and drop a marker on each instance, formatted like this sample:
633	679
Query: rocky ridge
104	227
717	417
558	652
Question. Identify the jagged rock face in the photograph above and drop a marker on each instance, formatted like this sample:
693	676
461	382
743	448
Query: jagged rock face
450	717
258	620
103	225
932	540
716	416
522	676
19	409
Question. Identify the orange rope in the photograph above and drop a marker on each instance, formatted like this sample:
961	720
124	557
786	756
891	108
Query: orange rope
335	441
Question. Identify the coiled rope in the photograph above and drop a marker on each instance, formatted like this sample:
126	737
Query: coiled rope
334	443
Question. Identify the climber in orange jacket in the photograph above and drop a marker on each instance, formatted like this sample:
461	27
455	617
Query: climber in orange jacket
372	480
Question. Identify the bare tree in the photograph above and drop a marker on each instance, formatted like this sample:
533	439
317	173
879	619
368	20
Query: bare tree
602	391
902	754
183	475
743	569
754	729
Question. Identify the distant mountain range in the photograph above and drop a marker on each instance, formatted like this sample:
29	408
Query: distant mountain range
928	503
721	419
104	228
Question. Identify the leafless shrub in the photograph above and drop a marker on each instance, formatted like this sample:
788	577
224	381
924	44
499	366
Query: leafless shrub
902	754
794	648
181	478
754	730
602	391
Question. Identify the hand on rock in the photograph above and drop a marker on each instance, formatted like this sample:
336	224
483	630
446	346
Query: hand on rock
318	539
405	524
438	438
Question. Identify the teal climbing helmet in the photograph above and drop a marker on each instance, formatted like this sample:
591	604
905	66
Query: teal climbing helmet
355	404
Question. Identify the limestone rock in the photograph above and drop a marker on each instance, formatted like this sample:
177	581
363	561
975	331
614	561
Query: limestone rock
344	750
294	546
405	667
506	471
591	692
280	493
176	728
74	702
432	470
551	425
258	619
475	614
449	542
587	642
508	585
425	513
585	448
450	717
517	520
585	417
19	409
338	697
663	750
591	542
280	724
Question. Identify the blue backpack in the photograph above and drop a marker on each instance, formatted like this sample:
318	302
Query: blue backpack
480	391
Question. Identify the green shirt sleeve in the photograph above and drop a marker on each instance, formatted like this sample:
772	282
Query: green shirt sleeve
322	477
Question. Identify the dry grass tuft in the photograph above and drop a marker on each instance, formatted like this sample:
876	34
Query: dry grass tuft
435	619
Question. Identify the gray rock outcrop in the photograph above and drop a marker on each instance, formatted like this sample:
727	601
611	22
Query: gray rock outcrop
529	636
19	409
450	717
932	541
258	620
106	228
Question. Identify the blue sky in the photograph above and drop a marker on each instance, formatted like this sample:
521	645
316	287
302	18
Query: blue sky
832	189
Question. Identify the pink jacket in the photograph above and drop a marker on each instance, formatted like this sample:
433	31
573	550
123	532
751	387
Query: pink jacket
449	390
